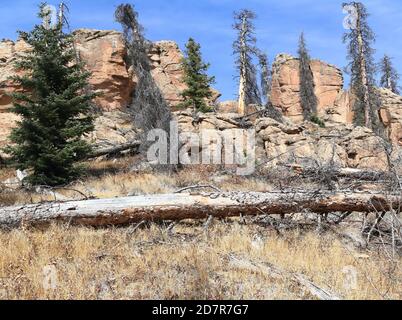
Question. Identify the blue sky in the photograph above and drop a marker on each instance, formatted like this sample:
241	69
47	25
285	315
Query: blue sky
279	24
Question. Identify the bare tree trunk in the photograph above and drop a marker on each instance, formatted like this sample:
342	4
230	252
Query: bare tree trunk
121	211
243	71
363	65
242	95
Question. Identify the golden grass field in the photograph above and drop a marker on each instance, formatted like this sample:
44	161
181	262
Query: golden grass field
190	263
186	262
112	178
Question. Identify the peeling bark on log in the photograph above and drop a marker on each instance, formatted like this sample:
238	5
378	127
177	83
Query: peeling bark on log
122	211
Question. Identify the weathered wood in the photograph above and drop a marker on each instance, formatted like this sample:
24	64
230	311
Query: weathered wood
113	150
121	211
274	272
345	173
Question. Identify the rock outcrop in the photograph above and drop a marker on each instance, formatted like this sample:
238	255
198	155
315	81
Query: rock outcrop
167	72
104	55
293	141
334	103
9	52
391	115
285	95
111	129
305	144
309	145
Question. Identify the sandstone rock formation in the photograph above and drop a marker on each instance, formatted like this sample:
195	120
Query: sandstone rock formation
309	145
328	88
291	142
104	54
335	104
9	51
111	129
391	115
166	59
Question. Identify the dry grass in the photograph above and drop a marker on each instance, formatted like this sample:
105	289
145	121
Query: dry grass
113	178
150	263
80	263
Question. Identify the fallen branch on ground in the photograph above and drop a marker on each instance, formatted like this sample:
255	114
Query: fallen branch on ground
348	173
275	272
114	150
198	187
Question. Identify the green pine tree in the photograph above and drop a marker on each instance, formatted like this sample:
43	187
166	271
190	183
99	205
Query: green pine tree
55	107
196	78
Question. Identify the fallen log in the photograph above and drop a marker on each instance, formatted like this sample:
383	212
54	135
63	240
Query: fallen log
346	173
176	207
114	150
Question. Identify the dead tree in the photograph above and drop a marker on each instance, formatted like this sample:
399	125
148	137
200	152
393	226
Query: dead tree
266	79
245	50
389	76
149	107
266	86
362	69
308	99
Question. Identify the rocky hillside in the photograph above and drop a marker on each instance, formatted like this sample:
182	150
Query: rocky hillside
105	56
334	102
304	144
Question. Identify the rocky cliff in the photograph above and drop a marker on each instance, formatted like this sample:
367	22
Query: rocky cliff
328	79
334	103
104	54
